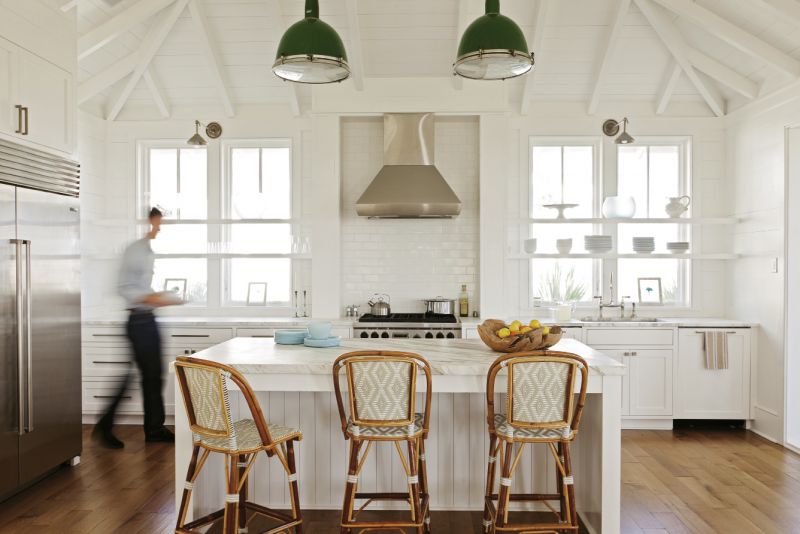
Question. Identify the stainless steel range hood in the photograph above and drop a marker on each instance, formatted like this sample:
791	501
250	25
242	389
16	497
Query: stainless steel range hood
408	185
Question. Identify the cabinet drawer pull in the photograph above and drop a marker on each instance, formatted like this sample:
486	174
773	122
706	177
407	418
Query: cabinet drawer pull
109	361
111	397
270	337
626	353
19	119
190	335
703	332
109	335
26	121
634	353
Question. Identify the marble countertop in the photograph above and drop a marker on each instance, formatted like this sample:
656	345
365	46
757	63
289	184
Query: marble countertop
447	357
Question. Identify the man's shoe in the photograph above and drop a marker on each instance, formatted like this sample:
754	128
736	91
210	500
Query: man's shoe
105	438
163	435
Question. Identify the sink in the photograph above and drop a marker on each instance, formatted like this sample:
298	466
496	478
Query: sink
620	320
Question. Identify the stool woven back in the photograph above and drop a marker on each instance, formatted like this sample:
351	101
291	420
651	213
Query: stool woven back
381	386
540	387
209	408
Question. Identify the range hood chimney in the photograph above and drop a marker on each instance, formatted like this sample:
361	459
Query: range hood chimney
408	185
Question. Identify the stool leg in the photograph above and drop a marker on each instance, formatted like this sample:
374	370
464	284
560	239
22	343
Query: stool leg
570	488
350	487
187	493
231	519
293	488
491	469
505	491
423	483
560	480
242	461
413	475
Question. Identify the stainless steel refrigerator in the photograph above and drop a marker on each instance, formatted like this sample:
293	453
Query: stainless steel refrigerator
40	330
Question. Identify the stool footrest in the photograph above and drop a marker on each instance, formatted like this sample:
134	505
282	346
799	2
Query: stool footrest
531	496
383	496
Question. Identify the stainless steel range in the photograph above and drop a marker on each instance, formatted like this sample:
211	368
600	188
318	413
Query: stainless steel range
408	326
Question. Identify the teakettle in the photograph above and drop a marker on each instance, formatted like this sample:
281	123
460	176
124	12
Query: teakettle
677	206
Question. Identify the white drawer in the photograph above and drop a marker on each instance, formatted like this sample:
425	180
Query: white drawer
628	337
260	332
105	334
97	395
196	336
106	361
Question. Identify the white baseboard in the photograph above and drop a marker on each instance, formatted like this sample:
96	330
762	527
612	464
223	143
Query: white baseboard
123	419
646	424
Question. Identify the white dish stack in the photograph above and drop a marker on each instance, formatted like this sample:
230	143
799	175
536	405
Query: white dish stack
644	245
598	244
678	247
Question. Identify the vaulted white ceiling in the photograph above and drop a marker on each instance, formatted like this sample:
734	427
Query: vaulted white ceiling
150	55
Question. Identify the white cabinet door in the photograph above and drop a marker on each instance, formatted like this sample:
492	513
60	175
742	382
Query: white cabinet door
702	393
622	356
650	381
8	116
46	93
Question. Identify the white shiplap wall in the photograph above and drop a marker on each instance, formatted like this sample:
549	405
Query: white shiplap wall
409	259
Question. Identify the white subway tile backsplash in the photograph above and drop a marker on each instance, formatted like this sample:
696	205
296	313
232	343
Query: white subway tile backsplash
410	259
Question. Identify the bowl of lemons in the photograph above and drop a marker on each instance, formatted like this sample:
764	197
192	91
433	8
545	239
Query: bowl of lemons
517	336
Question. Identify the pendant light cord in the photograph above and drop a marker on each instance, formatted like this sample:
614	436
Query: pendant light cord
312	9
492	7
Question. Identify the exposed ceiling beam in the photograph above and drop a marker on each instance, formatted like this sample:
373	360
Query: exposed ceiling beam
668	87
120	23
673	41
100	81
461	26
159	97
611	43
535	41
276	14
733	35
784	8
355	53
69	5
150	45
723	74
213	56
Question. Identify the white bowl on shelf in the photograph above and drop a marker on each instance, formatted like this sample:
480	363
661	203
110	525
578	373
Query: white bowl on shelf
529	246
678	247
563	246
619	207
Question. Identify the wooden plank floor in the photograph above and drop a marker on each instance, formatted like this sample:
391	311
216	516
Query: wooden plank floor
673	482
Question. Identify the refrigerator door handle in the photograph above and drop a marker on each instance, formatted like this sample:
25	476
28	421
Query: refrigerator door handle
20	301
28	333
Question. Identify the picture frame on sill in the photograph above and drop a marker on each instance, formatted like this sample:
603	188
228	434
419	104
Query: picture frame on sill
177	287
650	292
257	294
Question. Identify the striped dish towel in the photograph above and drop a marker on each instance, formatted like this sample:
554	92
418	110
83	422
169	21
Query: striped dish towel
715	347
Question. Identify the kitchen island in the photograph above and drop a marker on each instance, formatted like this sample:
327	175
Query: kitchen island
295	388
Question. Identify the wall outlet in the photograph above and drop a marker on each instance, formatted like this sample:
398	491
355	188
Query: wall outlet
773	265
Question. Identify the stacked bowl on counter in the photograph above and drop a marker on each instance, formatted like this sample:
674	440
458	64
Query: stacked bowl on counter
598	244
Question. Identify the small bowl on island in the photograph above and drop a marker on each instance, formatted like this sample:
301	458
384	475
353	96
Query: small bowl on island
516	337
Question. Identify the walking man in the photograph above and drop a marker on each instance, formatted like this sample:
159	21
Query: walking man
135	286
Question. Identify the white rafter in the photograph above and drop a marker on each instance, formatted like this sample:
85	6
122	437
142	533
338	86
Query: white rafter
611	43
733	35
535	41
783	8
276	14
461	25
120	23
150	45
672	40
211	51
159	97
108	77
355	54
723	74
668	87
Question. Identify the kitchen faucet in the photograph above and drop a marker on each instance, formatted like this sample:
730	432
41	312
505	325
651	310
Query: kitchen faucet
611	304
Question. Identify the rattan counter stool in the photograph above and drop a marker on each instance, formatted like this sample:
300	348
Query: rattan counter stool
204	387
381	389
540	408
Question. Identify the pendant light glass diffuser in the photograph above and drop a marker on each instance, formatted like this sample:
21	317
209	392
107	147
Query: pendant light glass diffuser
493	47
311	51
197	139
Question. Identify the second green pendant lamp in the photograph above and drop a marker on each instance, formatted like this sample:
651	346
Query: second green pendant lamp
311	51
493	47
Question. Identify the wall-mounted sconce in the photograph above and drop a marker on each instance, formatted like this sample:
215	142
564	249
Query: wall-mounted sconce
611	128
213	131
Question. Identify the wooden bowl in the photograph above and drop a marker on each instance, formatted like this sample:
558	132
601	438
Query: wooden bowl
533	340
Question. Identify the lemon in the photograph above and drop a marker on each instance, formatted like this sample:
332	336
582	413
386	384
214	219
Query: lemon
545	330
503	333
535	324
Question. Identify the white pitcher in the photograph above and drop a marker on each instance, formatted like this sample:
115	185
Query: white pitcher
677	206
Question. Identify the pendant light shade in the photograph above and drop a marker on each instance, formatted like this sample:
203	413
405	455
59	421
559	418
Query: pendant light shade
311	51
197	139
611	128
493	47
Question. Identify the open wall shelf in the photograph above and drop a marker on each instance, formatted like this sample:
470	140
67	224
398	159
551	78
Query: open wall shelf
615	256
662	220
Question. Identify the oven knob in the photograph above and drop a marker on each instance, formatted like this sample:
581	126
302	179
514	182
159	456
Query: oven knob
439	336
364	335
385	335
417	336
374	335
428	336
450	335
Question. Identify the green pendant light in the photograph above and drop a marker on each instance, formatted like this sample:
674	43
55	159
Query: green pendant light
311	51
493	47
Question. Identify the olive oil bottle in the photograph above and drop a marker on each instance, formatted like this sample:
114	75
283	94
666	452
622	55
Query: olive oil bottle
463	301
